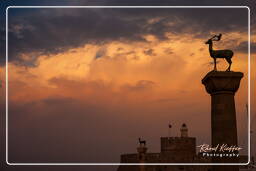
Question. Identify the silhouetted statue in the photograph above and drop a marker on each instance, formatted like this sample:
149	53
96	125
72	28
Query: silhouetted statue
142	142
227	54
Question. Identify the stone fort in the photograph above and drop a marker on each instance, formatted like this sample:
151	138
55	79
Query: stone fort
173	150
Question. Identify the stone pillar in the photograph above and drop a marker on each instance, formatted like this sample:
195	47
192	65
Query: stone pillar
142	157
222	86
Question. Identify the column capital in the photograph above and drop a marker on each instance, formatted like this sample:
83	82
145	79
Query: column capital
222	81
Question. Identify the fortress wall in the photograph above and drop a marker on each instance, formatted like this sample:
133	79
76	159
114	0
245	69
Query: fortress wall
179	145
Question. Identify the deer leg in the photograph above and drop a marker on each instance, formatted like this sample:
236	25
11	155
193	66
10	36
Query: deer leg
229	62
215	67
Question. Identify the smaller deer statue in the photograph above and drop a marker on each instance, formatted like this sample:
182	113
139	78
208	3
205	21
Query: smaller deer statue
227	54
142	142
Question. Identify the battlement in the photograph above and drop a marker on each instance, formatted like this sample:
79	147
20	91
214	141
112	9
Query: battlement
173	150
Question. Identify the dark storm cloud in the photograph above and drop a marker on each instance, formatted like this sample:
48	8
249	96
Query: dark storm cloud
243	47
45	31
55	32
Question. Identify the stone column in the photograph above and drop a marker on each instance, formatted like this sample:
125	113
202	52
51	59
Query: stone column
142	157
222	86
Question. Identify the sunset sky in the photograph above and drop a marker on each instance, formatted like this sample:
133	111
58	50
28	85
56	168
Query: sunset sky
85	83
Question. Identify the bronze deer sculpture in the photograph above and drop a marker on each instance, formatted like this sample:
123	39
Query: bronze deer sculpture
227	54
142	142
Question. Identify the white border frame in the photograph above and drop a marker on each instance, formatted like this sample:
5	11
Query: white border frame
62	164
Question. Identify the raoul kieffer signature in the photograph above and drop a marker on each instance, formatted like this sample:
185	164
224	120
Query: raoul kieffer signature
219	148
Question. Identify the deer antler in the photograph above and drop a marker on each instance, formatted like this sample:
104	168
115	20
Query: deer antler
213	37
216	36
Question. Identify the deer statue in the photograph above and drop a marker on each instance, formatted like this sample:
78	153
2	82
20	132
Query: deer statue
227	54
142	142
